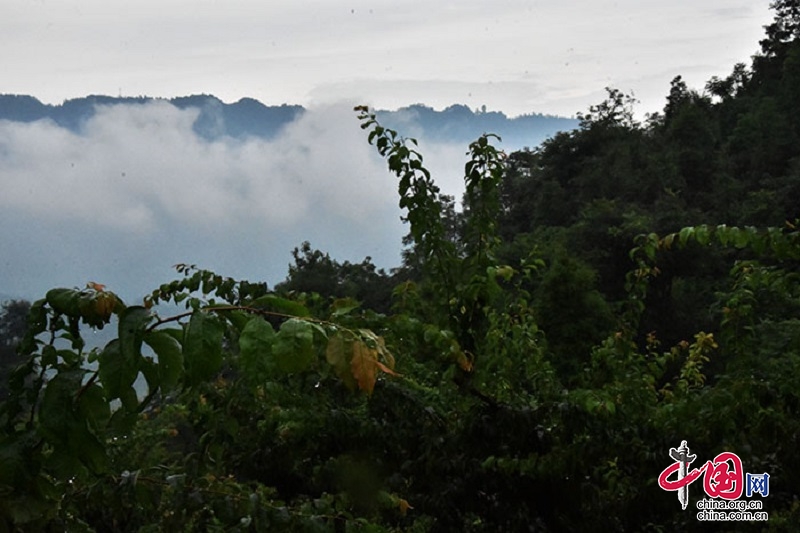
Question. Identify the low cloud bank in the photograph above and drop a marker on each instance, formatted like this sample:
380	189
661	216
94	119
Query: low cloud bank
137	190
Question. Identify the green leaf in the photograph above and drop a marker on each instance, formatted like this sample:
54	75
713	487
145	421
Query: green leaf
723	235
132	324
294	346
116	372
684	235
701	234
55	412
49	356
343	306
122	421
741	239
338	354
239	319
202	348
150	370
94	407
277	304
170	356
176	333
64	301
13	470
66	427
129	399
255	347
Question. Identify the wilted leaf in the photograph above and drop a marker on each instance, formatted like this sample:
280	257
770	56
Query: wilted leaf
363	366
386	369
104	304
404	506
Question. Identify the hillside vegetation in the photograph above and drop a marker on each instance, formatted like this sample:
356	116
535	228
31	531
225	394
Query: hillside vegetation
622	288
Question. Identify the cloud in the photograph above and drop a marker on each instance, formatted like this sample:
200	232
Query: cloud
137	191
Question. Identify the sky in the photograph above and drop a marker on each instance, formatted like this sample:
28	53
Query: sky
137	191
516	56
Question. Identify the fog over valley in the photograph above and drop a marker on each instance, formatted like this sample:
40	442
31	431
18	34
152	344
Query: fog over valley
117	191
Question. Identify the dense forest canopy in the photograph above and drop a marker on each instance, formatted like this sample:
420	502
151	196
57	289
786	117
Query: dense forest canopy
622	288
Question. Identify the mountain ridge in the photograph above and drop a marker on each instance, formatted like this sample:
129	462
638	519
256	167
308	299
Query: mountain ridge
249	117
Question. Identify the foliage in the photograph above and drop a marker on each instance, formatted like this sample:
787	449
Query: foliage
622	288
70	407
13	324
316	272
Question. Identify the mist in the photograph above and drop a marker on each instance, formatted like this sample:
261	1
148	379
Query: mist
136	191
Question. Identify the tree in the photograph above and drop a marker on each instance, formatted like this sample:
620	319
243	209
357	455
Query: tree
784	28
315	272
615	110
13	324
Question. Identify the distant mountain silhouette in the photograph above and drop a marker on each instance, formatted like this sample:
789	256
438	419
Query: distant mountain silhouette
249	117
458	123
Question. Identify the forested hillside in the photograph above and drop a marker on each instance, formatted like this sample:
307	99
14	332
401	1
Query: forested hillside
622	288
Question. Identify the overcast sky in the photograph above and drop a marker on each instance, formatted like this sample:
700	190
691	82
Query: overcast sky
516	56
137	191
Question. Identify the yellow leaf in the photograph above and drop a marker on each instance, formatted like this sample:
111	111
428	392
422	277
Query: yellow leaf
363	366
99	287
104	304
403	505
386	369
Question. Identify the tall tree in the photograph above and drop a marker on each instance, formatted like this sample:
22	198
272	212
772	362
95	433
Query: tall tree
13	323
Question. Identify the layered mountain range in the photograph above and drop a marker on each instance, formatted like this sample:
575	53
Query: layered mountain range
249	117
